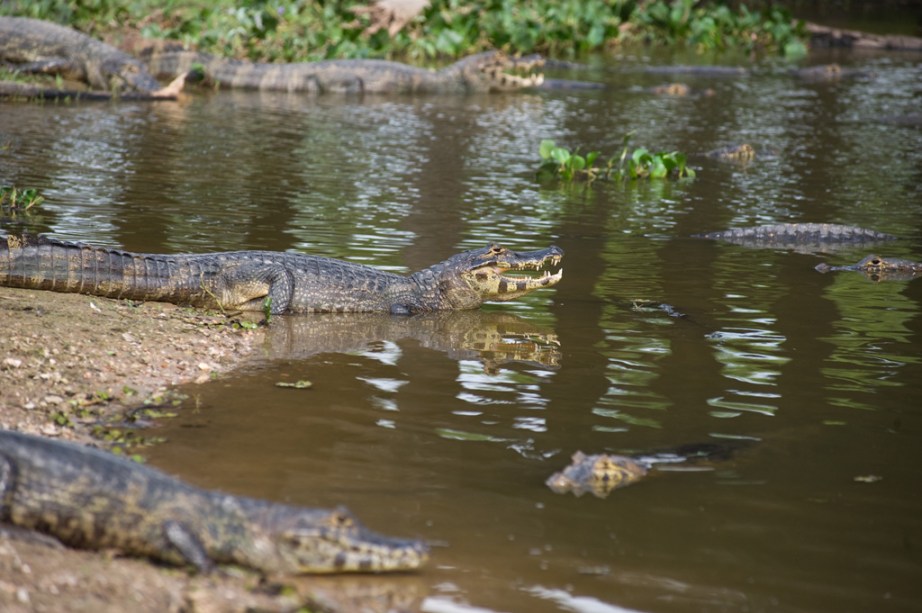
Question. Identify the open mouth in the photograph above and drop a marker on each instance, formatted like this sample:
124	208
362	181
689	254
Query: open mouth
516	72
540	273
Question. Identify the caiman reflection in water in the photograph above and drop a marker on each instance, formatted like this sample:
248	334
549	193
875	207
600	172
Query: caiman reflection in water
491	337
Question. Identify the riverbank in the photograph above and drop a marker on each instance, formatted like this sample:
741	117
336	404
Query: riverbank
71	368
72	365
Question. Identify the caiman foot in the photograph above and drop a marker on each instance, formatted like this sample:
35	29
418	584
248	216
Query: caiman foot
171	91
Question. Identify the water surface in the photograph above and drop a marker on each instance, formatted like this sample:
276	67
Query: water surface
446	427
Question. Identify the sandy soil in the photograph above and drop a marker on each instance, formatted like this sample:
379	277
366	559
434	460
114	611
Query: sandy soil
70	364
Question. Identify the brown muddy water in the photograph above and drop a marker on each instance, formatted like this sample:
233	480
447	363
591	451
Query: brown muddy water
446	427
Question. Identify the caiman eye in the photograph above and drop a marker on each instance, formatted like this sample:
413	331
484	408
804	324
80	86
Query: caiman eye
497	250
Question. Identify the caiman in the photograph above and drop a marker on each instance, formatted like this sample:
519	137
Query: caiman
602	473
490	71
681	90
274	281
829	73
879	268
799	236
90	499
32	45
743	152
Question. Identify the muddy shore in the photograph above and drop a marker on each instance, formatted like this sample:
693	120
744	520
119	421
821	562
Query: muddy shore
71	368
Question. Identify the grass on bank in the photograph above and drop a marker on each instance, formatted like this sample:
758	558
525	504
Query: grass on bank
305	30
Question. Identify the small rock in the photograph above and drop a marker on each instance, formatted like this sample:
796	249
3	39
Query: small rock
12	362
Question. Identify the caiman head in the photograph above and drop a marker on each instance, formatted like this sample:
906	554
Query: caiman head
876	264
494	71
598	474
305	541
469	279
879	268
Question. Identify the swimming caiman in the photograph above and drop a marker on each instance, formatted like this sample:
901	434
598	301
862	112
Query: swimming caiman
90	499
32	45
279	282
490	71
600	474
879	268
799	236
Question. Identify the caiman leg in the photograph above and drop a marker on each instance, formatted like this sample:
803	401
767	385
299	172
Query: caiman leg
111	273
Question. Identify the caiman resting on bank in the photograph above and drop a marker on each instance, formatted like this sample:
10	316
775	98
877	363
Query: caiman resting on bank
274	281
91	499
490	71
35	46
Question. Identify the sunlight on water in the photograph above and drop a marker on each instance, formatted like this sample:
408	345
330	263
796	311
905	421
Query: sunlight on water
446	427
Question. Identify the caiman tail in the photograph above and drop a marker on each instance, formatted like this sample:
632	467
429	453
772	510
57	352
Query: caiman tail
47	264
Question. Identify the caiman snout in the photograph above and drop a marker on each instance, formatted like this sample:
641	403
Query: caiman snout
492	279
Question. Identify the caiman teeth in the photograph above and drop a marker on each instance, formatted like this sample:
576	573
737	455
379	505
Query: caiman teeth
544	279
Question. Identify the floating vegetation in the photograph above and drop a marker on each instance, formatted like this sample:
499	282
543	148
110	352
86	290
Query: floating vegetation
640	163
14	200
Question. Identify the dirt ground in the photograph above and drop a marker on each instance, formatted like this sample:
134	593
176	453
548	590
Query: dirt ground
72	367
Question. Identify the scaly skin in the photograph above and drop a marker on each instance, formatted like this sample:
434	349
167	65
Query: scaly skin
880	268
602	473
798	233
48	47
291	282
490	71
598	474
90	499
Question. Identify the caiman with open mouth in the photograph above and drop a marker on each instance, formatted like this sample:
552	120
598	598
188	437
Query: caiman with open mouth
277	282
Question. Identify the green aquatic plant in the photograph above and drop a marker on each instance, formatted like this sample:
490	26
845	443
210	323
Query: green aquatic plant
709	26
640	163
14	200
644	164
559	162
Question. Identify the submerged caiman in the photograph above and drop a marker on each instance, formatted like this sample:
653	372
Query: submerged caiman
90	499
491	71
799	236
35	46
277	282
880	268
600	474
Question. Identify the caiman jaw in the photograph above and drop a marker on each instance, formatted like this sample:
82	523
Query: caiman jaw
500	72
493	281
